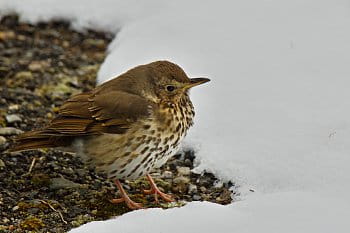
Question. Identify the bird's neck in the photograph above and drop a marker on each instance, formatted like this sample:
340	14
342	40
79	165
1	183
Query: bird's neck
177	111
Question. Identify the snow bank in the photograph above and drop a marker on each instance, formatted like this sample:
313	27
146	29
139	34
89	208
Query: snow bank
274	213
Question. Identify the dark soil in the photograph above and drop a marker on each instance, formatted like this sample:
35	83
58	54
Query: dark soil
50	190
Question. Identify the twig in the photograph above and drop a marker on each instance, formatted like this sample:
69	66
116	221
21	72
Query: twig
32	165
57	211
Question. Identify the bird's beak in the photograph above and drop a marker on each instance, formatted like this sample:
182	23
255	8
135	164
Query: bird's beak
196	82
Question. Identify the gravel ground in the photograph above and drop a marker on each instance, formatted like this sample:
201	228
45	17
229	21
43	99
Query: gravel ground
50	190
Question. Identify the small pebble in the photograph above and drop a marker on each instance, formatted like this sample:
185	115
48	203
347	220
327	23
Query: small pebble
10	131
183	171
24	75
14	107
181	180
190	155
12	118
192	189
2	140
206	181
180	184
15	208
167	175
68	171
188	163
196	197
2	164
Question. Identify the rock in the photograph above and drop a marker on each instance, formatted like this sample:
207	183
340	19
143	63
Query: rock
14	107
190	155
167	175
225	197
192	189
2	164
10	131
15	208
183	171
203	189
62	183
5	220
188	163
94	43
206	181
181	180
2	141
38	65
180	184
196	197
68	171
24	75
7	35
12	118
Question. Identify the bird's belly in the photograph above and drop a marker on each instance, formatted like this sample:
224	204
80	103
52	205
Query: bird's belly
130	155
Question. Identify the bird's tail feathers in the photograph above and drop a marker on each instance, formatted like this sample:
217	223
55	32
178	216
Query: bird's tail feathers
39	139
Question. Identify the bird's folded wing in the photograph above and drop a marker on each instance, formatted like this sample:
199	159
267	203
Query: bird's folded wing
103	112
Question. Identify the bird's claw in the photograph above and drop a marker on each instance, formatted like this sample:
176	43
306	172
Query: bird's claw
155	190
131	204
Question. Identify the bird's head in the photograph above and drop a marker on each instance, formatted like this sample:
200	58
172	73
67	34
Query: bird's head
171	82
159	82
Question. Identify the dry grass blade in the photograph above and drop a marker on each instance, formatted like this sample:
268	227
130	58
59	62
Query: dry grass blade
31	165
57	211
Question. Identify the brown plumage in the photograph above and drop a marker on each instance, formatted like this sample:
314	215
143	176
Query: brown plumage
126	126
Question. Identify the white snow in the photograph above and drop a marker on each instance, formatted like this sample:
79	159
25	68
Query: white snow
274	213
274	118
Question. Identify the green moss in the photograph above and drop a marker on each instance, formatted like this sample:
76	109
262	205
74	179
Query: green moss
81	219
104	209
32	223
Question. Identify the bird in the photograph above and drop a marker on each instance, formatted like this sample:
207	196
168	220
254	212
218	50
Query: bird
125	127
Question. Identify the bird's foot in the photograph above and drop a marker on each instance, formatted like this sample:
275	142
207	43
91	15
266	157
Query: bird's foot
125	198
155	190
130	203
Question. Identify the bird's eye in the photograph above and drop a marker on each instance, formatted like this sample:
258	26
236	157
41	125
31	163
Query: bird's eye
170	88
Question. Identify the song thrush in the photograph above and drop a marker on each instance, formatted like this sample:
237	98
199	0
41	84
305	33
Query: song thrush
126	126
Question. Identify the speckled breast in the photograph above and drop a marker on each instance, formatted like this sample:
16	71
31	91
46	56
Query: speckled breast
147	145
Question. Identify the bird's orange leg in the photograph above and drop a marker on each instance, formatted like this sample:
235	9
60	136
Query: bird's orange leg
125	198
155	190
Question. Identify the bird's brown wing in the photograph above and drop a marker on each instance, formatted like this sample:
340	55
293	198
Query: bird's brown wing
87	114
102	112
